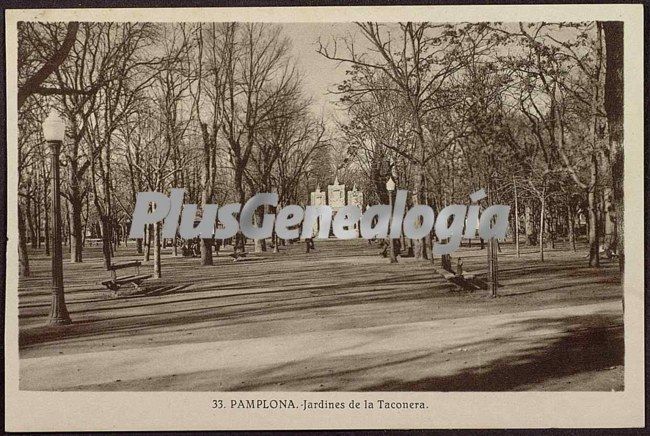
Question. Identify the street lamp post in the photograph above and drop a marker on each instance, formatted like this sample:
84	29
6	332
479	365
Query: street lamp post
54	133
390	187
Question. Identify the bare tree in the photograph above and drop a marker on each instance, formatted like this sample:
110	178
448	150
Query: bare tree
614	107
39	55
419	59
259	78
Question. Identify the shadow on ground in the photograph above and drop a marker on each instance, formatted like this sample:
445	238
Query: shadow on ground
583	348
543	351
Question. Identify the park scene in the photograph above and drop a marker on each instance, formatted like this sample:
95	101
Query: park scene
335	115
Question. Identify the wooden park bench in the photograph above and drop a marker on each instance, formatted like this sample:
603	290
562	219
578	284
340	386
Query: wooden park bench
115	282
93	241
238	256
461	279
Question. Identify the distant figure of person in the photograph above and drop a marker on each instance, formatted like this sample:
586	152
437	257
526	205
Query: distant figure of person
186	249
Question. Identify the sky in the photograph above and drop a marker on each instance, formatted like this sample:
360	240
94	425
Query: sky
320	75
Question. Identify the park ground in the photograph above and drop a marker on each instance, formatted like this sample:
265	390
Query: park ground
340	318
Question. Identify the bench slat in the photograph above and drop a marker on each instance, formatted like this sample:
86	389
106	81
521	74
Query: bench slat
118	280
132	279
447	274
116	266
125	280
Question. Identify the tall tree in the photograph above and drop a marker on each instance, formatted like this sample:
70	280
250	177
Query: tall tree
419	59
259	78
614	91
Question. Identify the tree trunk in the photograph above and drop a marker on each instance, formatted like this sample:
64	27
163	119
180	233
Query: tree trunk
23	257
114	233
30	222
594	256
266	210
614	108
594	240
528	225
37	218
445	262
541	226
550	229
206	252
260	244
76	242
46	227
240	239
157	261
427	249
419	245
492	273
68	226
206	243
608	219
493	269
257	242
516	219
148	240
206	193
571	227
419	174
106	240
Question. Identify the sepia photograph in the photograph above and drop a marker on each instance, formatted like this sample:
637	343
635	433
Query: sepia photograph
282	206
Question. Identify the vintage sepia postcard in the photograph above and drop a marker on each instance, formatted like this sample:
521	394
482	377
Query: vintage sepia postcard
324	218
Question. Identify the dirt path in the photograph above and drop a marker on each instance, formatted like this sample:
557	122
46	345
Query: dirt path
340	319
495	352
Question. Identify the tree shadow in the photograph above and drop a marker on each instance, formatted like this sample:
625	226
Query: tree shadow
590	343
188	299
152	291
270	305
554	348
583	344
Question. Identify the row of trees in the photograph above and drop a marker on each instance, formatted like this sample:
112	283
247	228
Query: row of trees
531	112
215	108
